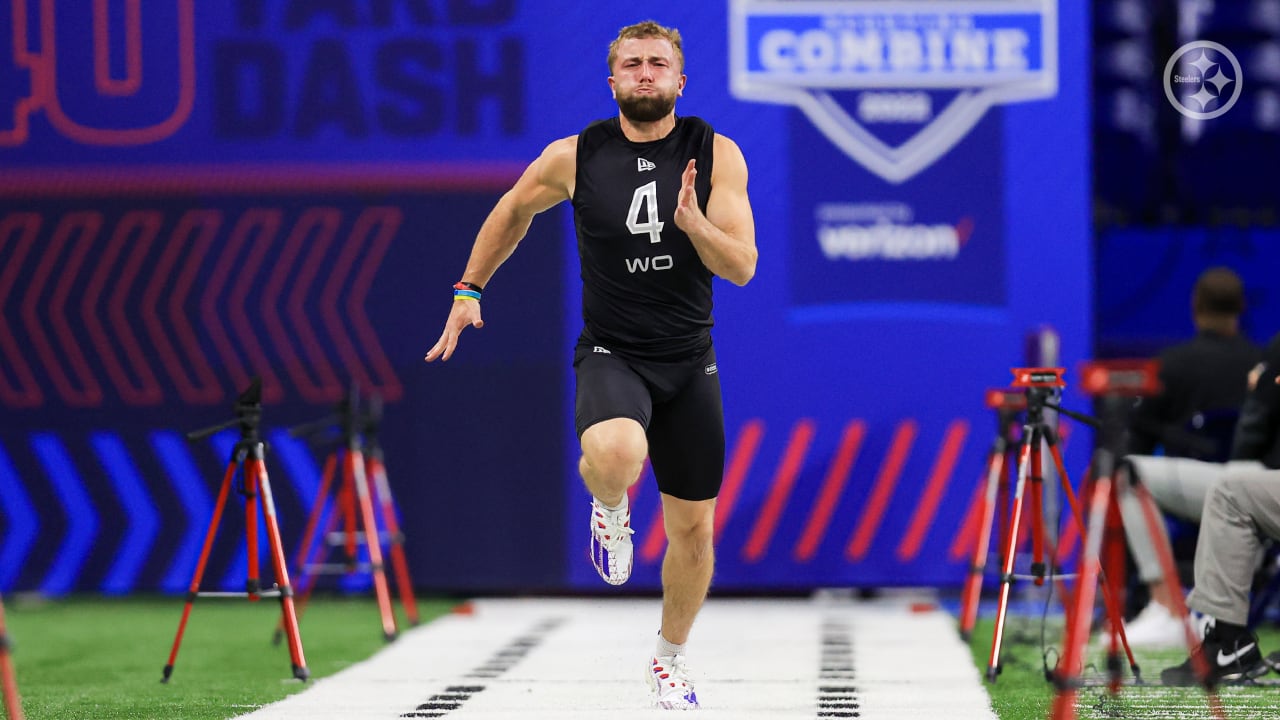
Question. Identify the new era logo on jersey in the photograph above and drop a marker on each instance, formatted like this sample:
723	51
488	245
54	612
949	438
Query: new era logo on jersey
642	165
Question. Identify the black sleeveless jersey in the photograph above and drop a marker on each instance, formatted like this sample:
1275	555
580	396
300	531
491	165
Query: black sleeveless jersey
645	291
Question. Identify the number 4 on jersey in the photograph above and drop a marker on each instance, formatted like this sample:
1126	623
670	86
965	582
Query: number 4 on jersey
645	200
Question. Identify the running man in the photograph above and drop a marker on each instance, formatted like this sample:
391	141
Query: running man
660	206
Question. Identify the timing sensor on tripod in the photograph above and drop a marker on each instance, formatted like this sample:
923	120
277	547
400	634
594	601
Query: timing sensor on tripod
1005	399
1039	377
1127	377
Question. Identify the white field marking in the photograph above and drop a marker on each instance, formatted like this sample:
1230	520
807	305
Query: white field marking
751	659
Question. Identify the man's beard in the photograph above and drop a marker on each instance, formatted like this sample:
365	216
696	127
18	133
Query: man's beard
646	108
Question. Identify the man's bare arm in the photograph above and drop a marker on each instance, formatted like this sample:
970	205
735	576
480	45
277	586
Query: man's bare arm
547	181
725	236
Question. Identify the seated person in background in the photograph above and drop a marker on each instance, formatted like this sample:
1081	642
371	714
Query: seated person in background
1242	508
1208	374
1204	374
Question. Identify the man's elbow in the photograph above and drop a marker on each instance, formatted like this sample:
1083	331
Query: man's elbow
744	271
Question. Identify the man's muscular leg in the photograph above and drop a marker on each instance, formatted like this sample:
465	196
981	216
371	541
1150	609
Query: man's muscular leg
688	565
613	453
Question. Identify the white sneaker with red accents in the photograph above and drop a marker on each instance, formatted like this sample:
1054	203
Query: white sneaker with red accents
611	548
670	685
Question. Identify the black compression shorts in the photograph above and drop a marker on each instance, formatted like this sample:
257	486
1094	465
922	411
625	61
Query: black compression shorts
678	404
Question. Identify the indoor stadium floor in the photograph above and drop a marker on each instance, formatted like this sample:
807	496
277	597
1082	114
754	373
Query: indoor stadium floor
586	658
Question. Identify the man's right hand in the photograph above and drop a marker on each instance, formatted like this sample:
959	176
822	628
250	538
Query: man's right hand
463	313
1256	373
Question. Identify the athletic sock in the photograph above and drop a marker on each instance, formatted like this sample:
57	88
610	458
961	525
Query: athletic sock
620	506
666	648
1228	633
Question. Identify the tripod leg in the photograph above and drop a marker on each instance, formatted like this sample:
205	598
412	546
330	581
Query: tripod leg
355	466
398	562
1077	631
1010	462
978	565
348	503
313	519
308	581
258	470
304	580
1111	570
1066	483
8	678
1073	532
204	558
253	584
1038	529
1006	574
1041	538
1114	608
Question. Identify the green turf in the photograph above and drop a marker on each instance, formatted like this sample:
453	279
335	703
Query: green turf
1021	691
94	658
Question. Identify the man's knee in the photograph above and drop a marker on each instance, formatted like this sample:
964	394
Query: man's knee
1230	500
1231	491
615	447
696	548
692	528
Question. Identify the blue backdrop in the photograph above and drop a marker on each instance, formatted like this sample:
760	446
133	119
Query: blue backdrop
286	188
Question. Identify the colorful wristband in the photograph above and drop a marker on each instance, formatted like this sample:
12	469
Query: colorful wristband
466	291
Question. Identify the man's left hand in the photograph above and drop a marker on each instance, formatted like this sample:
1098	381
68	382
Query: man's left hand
688	215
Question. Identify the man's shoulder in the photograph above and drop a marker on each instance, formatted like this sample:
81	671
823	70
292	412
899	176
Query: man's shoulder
555	167
560	152
695	127
1205	353
694	122
596	134
600	129
568	144
724	142
1182	358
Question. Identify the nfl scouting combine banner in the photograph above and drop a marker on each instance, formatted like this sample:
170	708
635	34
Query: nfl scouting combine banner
195	192
903	92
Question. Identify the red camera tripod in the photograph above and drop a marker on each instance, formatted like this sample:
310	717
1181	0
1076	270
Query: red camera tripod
360	458
1008	405
1041	386
1115	384
248	452
8	679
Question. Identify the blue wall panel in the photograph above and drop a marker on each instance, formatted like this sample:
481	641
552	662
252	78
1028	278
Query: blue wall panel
288	188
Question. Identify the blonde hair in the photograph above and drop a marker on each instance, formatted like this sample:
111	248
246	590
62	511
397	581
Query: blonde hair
643	30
